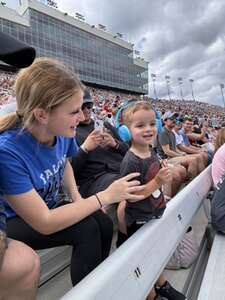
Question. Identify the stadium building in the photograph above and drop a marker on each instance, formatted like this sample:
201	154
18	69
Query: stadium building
101	58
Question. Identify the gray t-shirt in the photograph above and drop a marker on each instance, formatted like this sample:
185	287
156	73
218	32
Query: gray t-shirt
165	137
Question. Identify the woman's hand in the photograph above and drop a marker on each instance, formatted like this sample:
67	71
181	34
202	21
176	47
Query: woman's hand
122	189
93	140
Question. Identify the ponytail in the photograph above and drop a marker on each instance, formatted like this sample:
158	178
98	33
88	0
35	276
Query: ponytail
9	121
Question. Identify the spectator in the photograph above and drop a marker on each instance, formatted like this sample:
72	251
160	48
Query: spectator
167	147
218	163
141	120
98	161
181	147
191	149
35	143
220	139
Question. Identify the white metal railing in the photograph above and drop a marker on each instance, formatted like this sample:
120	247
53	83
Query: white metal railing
131	271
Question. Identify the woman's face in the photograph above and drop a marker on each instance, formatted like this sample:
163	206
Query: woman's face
63	120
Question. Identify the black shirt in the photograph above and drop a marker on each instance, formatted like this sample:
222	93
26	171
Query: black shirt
89	166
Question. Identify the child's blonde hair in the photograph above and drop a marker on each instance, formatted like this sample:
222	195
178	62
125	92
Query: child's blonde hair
132	108
46	84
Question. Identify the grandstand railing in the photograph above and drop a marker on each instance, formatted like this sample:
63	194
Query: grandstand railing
131	271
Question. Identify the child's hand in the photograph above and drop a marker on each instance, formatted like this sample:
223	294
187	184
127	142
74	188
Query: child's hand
163	176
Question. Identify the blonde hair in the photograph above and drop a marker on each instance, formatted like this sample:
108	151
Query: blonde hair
46	84
132	108
220	139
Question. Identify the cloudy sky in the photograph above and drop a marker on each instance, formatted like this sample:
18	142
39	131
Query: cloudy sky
179	38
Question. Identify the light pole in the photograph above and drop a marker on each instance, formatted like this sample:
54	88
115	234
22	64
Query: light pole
153	81
180	80
192	91
222	87
168	85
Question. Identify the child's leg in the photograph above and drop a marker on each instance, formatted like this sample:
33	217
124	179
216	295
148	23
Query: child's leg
122	228
161	280
151	295
121	217
164	289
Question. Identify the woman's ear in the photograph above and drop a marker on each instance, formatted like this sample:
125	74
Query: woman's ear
41	115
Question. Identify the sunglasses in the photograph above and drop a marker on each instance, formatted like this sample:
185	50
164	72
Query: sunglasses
172	119
87	105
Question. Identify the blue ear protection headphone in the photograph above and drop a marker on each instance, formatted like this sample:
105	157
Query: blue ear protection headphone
123	130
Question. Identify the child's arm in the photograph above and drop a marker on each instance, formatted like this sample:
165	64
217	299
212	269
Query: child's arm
163	176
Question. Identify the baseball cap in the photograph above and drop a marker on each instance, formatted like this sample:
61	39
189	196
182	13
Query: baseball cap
87	97
168	115
14	52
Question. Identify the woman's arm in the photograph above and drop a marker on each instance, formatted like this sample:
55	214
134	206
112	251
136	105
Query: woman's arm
31	207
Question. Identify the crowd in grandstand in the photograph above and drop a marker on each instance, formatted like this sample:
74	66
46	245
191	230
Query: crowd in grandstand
7	81
121	137
109	101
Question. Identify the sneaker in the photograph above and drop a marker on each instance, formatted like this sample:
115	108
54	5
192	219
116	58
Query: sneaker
169	292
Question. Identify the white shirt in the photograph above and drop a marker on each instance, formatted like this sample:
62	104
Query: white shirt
179	138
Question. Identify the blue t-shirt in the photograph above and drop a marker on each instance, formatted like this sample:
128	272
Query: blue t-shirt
26	164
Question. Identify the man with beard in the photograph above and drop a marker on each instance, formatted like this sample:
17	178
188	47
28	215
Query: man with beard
166	147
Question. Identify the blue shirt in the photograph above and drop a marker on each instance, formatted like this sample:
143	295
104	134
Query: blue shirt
26	164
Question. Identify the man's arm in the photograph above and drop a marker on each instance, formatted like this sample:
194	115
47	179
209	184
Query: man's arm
92	141
196	136
187	149
170	153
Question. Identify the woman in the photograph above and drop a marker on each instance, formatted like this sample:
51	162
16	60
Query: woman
35	143
218	162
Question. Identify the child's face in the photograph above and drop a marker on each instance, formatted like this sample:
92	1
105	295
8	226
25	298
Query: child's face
143	127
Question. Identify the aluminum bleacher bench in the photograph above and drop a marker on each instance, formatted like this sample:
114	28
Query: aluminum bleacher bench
213	284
